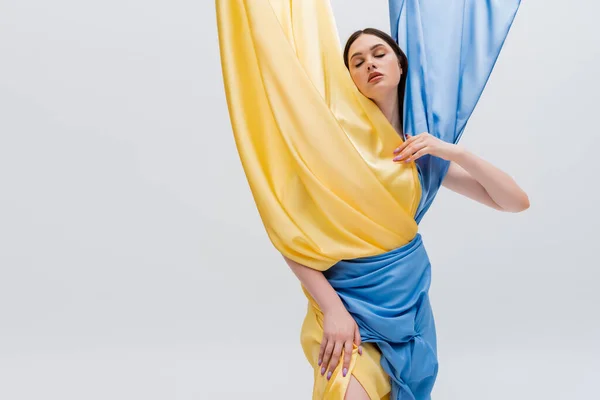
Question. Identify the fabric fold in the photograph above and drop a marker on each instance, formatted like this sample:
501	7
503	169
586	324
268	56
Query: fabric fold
312	146
452	47
388	297
317	155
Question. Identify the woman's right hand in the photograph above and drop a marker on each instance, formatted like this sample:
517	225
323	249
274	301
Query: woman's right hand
340	330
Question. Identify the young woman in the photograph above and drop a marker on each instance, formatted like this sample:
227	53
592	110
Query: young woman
339	182
378	66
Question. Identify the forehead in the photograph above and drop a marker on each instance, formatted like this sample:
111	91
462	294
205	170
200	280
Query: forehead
364	42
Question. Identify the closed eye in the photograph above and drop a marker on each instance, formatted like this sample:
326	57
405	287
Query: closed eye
360	63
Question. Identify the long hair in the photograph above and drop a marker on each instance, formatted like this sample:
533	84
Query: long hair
399	53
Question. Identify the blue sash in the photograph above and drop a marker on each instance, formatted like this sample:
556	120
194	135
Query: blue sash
387	296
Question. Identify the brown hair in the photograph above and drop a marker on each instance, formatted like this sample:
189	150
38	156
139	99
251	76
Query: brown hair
399	53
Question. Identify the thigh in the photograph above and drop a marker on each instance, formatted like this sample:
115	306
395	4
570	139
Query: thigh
355	390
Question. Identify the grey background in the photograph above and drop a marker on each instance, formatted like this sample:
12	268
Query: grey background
133	262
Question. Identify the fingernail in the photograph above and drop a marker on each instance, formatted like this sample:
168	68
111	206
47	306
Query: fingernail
345	371
320	361
360	350
396	158
322	370
328	375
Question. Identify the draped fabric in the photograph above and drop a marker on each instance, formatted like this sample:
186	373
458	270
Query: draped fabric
388	297
317	153
318	158
452	47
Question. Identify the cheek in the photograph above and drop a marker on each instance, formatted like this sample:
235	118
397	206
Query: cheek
357	78
393	70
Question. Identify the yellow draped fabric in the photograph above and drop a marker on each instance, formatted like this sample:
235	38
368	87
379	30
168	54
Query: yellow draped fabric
366	368
317	153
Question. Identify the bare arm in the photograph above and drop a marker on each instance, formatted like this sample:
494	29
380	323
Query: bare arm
339	328
467	174
317	285
481	181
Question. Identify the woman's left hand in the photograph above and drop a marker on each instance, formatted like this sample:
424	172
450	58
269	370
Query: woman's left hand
418	145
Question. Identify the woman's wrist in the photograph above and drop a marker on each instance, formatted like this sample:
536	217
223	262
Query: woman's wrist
333	306
455	153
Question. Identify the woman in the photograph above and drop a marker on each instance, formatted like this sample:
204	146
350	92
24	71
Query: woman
339	183
377	66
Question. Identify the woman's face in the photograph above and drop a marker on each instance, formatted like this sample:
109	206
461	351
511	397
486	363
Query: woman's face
374	67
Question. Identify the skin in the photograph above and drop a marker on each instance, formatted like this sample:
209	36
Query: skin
467	175
370	54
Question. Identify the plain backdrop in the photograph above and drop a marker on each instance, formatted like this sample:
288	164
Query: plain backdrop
133	262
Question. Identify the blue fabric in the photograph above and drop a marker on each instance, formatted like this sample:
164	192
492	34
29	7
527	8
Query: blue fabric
388	297
452	46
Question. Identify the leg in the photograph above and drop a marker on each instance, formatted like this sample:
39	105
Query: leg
355	390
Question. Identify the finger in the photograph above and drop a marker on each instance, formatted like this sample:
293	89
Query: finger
335	359
403	153
406	142
417	155
413	148
401	147
322	350
358	340
327	356
347	356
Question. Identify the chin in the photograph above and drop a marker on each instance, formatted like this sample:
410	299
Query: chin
379	94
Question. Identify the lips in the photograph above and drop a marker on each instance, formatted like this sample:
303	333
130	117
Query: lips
373	75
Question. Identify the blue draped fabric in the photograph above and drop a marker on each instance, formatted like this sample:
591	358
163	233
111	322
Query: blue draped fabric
388	297
452	46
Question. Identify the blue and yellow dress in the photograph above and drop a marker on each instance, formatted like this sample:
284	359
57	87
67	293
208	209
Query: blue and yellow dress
318	158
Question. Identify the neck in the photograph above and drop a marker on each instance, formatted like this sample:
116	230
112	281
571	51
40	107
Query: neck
390	107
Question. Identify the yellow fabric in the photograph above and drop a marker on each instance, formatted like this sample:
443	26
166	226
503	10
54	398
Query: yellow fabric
317	153
366	368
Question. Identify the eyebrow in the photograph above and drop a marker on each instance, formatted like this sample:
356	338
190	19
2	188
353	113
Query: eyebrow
372	47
